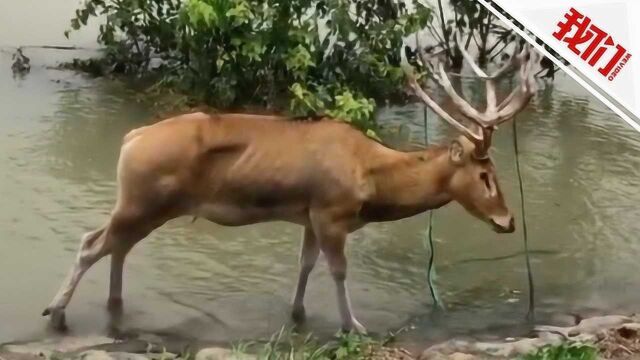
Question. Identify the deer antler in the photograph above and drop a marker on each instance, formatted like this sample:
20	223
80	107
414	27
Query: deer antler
494	114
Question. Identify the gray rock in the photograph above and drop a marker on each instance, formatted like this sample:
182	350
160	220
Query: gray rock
18	356
63	344
461	356
632	326
217	353
432	355
596	324
95	355
132	356
161	356
586	331
551	338
588	327
560	319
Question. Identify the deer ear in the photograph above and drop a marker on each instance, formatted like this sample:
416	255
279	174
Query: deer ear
456	152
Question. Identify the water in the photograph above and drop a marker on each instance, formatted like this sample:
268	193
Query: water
59	138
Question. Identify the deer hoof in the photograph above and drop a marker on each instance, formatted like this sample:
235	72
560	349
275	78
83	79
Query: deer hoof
354	326
298	314
114	305
58	319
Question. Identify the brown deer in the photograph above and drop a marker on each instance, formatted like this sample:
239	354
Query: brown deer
237	169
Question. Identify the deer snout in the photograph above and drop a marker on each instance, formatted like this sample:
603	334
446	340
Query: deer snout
503	224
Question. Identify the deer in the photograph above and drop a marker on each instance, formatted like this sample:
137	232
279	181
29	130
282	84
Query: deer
238	169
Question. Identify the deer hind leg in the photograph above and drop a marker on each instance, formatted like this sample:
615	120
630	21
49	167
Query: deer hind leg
126	231
123	231
309	251
93	247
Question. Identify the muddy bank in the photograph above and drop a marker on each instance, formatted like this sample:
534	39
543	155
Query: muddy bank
607	337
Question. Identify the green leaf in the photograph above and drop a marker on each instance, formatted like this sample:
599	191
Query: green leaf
342	353
314	53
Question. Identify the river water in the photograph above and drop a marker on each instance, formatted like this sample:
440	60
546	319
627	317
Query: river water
59	139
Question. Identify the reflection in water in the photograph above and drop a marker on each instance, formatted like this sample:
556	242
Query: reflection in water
59	140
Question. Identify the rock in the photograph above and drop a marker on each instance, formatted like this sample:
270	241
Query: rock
464	350
562	331
217	353
461	356
63	344
214	353
134	356
560	319
510	349
446	349
587	328
94	355
386	353
632	326
551	338
432	355
20	62
161	356
18	356
598	323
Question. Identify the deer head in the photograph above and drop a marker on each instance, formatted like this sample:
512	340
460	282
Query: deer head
474	182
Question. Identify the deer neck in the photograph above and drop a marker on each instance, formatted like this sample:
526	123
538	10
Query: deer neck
408	183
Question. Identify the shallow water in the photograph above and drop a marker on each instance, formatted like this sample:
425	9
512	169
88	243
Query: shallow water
59	138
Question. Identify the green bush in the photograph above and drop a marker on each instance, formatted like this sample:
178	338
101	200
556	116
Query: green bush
334	57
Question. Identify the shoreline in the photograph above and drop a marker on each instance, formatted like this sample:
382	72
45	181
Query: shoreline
607	336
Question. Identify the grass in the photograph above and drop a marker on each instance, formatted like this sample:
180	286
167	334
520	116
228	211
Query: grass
286	345
565	351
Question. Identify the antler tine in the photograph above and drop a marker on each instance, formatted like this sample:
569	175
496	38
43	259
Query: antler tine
516	59
521	96
476	69
490	83
417	89
468	110
508	66
440	75
441	78
491	110
494	114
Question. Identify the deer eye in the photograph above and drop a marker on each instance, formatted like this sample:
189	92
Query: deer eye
485	178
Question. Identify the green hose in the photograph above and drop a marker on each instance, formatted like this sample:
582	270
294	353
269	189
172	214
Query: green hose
430	266
531	309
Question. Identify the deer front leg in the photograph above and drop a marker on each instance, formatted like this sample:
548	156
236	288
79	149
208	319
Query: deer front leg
332	236
338	267
309	251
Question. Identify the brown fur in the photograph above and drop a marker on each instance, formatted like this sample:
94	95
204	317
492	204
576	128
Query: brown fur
237	169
